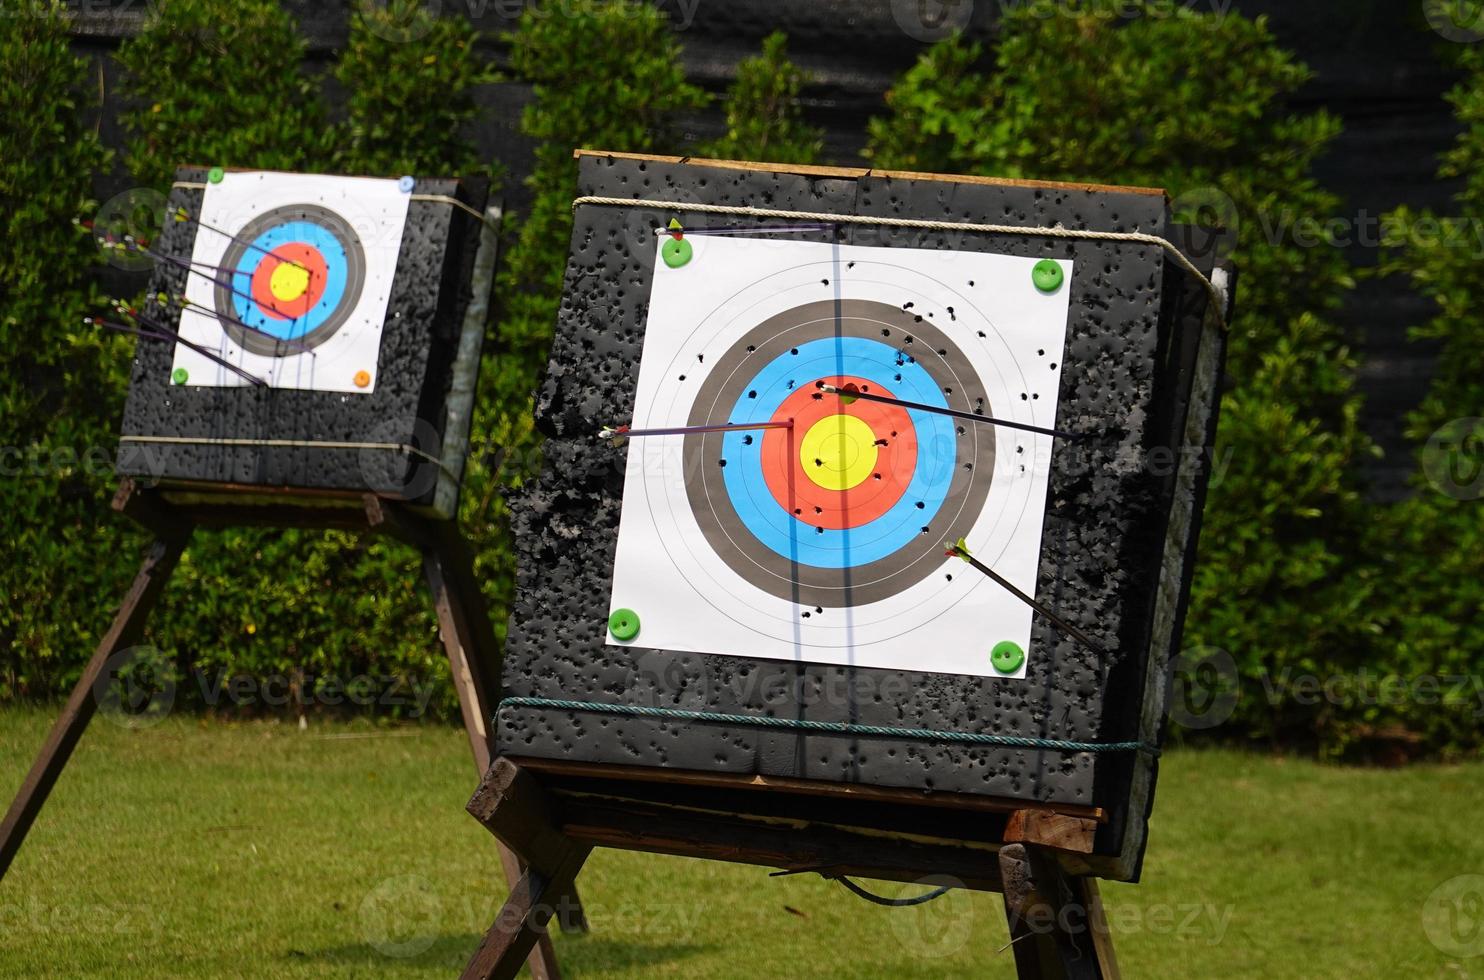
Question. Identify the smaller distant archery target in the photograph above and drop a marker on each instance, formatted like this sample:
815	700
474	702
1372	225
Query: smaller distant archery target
296	276
298	270
818	533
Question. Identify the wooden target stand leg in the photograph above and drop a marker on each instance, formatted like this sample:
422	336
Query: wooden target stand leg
464	626
127	628
511	804
1057	927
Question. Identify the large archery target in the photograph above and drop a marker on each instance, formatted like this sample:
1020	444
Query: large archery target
824	542
291	276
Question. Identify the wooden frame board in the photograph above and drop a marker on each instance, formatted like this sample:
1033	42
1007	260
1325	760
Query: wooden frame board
557	814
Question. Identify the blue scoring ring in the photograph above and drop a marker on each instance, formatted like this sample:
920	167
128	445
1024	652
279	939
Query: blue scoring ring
798	540
291	233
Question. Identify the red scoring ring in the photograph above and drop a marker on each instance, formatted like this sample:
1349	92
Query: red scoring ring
795	492
262	281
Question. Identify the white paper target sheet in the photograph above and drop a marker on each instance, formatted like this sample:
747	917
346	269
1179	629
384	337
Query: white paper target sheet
813	526
289	282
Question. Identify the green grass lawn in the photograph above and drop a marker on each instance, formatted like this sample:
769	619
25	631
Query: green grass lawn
198	848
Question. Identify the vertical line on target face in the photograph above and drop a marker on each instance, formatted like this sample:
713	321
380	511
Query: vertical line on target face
791	434
845	562
793	545
301	325
297	331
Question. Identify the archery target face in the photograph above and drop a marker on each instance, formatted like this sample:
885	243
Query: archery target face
824	542
291	278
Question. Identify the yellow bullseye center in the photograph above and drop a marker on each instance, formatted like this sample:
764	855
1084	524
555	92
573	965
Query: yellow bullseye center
289	281
838	452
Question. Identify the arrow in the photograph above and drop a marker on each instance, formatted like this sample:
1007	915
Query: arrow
850	392
624	432
960	549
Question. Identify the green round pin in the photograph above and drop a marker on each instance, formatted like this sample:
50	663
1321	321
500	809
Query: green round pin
1007	656
624	624
1047	276
676	252
215	175
180	376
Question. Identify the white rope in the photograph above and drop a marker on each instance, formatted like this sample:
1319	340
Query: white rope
1218	298
289	443
444	199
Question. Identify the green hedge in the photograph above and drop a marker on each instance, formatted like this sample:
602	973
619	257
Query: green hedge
1297	574
212	81
56	433
1194	103
764	118
1431	547
408	105
265	604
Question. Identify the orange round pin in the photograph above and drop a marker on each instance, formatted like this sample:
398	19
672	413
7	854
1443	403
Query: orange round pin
362	379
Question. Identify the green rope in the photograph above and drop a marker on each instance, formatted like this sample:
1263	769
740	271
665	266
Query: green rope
830	727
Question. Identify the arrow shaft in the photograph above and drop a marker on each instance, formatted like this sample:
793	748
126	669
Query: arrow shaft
694	429
159	333
951	413
1039	607
185	215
